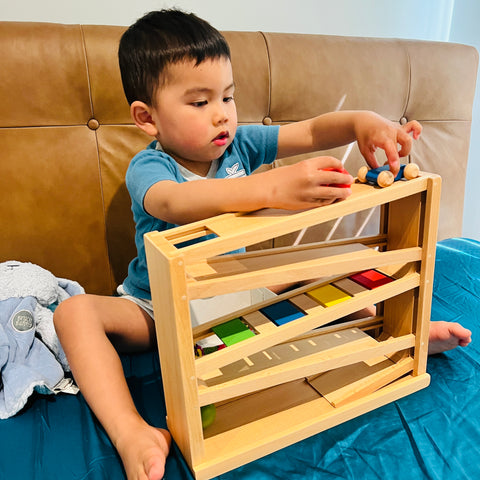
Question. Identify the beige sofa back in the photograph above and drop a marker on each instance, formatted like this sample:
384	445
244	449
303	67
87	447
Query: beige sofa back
66	136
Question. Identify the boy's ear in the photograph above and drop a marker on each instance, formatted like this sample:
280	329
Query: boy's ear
141	115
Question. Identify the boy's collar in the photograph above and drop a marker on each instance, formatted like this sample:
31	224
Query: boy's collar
186	173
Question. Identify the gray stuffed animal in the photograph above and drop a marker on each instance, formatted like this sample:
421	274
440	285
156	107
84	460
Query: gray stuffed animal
31	357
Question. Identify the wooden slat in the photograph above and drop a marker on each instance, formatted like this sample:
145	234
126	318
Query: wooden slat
304	302
248	442
349	383
259	322
336	265
237	230
336	357
234	264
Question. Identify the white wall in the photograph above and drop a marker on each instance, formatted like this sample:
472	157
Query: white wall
465	29
427	19
443	20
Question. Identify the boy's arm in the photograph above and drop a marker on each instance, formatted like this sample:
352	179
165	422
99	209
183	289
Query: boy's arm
294	187
334	129
299	186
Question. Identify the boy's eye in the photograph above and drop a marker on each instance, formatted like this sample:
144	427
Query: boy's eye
228	99
199	104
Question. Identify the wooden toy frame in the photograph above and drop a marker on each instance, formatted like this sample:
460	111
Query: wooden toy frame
274	405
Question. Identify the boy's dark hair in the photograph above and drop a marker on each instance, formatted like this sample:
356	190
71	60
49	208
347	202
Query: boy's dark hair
159	39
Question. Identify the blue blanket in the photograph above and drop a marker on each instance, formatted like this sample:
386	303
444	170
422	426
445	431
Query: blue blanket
432	434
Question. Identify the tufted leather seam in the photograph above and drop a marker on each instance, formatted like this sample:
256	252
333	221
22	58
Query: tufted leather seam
84	47
269	74
409	89
100	181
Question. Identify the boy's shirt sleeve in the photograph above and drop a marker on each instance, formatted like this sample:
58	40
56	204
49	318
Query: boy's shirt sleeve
148	167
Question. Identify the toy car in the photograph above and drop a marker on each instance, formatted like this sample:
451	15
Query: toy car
383	177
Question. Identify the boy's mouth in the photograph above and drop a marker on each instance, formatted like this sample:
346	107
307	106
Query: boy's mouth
221	139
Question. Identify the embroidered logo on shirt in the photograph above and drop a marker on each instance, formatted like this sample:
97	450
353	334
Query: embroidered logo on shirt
233	171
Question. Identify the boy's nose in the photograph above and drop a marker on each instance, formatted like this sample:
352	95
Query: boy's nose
220	115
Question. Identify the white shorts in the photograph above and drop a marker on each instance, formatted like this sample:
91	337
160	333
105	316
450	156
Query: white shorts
141	302
205	309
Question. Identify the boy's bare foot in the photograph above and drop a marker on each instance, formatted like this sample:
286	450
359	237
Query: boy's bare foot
447	336
144	453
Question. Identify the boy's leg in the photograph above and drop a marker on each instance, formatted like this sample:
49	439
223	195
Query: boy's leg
91	329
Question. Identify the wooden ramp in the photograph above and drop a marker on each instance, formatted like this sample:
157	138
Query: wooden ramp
292	366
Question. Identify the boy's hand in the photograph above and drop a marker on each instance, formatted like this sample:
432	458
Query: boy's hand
310	183
373	131
339	170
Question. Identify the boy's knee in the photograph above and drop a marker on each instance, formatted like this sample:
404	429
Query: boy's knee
66	311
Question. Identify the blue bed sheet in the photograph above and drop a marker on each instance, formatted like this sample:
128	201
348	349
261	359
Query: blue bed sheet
432	434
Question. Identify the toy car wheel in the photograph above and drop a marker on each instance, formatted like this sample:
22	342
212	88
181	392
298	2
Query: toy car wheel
410	171
362	174
385	178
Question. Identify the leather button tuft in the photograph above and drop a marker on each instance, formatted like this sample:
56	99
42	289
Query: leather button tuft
93	124
267	121
403	120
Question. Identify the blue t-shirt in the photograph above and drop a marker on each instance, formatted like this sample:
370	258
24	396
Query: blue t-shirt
253	146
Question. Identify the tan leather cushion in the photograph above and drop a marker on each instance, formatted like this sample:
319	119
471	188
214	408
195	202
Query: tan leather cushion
66	136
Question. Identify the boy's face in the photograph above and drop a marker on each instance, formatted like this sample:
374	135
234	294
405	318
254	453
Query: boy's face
195	114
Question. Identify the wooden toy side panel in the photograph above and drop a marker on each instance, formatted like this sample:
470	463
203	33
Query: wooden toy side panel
170	301
403	230
429	242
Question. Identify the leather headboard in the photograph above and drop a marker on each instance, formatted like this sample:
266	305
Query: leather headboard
66	136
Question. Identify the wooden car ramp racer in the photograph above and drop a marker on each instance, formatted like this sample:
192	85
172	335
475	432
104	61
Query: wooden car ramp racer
291	367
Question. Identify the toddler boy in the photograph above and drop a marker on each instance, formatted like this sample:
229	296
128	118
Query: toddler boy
178	79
